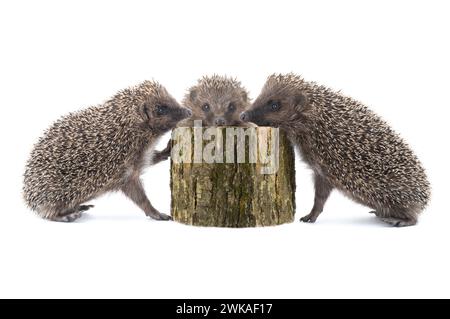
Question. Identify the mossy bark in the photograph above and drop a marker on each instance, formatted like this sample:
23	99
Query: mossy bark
233	194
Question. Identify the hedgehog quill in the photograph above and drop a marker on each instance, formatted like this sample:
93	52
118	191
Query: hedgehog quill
100	149
348	147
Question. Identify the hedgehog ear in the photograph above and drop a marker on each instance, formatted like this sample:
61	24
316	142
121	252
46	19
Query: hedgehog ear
244	95
193	94
299	100
145	111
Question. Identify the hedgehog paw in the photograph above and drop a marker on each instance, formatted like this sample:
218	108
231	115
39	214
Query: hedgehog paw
160	216
83	208
163	155
310	218
67	218
396	222
165	217
160	156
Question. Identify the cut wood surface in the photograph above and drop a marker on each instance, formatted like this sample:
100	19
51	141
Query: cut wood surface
232	193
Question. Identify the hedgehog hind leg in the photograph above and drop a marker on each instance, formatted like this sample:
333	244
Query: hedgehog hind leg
65	215
397	222
397	217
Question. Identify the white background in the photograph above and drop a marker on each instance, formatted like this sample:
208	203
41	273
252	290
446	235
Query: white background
60	56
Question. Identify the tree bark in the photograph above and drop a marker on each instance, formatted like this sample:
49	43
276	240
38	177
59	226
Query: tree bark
232	194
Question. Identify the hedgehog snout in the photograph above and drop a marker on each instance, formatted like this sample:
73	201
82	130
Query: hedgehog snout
186	112
220	121
245	117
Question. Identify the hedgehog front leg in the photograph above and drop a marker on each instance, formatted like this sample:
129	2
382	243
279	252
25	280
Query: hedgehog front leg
322	191
159	156
134	190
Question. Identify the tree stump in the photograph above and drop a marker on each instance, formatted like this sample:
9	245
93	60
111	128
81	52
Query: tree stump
232	177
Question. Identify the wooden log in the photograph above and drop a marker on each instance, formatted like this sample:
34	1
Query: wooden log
245	185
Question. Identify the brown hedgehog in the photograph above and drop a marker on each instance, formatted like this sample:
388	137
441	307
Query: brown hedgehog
100	149
347	146
217	101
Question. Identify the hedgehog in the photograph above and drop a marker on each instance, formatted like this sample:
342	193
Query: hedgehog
347	146
100	149
216	101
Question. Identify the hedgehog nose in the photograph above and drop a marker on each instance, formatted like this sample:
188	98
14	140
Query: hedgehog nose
220	121
187	112
244	117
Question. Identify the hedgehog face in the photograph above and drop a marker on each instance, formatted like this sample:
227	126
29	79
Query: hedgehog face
217	101
162	114
216	109
278	105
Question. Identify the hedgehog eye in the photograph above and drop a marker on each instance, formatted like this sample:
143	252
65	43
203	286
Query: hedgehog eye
231	107
274	106
161	110
205	107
